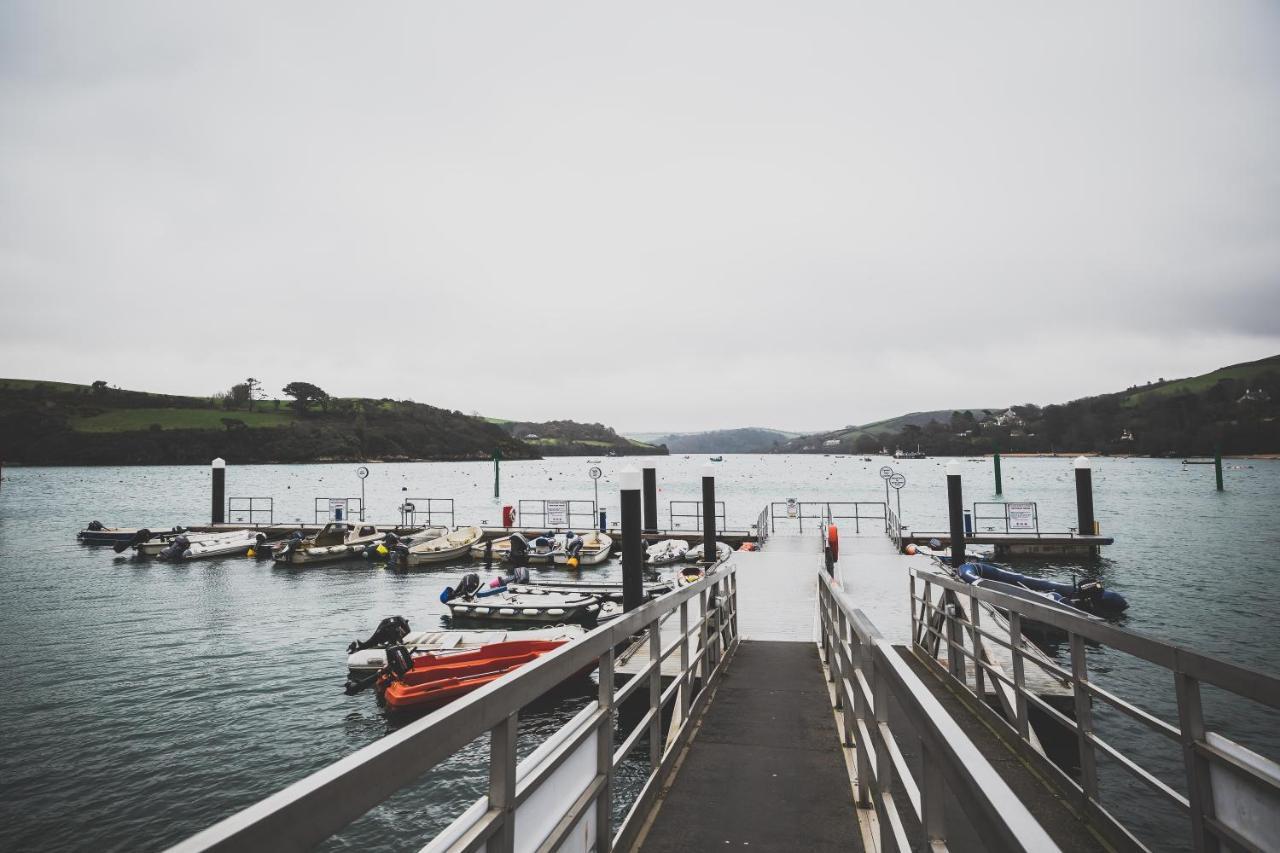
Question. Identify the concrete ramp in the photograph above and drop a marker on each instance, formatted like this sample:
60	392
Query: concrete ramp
777	596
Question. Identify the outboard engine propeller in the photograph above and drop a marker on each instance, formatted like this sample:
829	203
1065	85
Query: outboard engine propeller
143	535
176	548
389	632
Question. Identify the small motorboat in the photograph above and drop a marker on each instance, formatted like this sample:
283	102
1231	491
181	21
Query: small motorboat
589	550
96	534
694	555
935	549
666	552
337	540
450	546
436	678
717	458
470	600
607	591
233	543
1090	596
369	656
383	548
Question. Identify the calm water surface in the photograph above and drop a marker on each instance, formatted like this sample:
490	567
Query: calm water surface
145	700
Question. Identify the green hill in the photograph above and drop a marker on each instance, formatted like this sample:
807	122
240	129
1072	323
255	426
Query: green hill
1233	409
741	440
60	423
570	438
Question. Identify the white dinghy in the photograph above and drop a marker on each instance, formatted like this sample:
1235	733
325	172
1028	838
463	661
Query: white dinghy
694	555
666	552
442	549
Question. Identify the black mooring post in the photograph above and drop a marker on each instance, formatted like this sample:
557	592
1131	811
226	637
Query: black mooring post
650	500
708	516
219	468
955	509
1084	496
632	541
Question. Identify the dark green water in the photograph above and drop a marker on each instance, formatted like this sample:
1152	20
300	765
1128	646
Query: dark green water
144	701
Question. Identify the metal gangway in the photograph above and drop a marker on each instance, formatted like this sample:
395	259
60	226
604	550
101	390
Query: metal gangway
903	742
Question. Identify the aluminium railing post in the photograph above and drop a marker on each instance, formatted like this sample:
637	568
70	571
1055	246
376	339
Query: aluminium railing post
955	637
979	674
848	669
1019	674
604	756
836	663
684	661
502	782
1084	718
933	792
702	636
884	761
861	664
1199	783
655	696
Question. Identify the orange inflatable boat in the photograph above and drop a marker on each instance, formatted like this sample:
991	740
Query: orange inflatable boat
437	678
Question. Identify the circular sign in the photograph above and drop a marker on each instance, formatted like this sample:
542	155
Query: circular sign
886	472
362	472
595	472
897	481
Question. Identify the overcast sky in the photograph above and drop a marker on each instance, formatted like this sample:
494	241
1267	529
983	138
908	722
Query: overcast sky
663	216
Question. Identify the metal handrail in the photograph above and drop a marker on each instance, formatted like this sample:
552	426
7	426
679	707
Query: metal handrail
324	509
867	675
825	514
893	527
313	809
537	507
1209	759
762	525
246	510
695	514
412	513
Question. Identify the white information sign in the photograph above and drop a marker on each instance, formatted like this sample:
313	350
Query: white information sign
1022	516
557	513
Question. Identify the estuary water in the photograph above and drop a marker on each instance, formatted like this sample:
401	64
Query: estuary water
144	701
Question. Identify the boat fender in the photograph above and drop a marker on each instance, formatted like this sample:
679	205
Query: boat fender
833	539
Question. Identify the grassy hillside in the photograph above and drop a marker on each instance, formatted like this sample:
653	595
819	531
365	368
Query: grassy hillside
570	438
742	440
64	423
1234	409
1196	384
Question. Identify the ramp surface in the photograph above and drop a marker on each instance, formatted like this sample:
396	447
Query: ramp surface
777	596
765	771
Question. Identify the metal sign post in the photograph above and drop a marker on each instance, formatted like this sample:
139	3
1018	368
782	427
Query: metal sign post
362	472
885	473
898	481
595	473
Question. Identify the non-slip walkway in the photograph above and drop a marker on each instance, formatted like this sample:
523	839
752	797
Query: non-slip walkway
765	771
777	598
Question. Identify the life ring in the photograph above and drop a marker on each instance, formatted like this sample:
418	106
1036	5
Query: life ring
833	542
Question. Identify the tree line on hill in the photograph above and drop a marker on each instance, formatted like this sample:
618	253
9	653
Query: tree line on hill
1235	416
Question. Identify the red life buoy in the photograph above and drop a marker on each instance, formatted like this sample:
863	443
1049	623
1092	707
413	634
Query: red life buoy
833	541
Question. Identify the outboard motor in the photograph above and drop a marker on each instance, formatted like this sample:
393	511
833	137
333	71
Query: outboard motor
1092	596
520	574
519	549
94	526
177	548
374	550
291	544
389	632
398	556
143	535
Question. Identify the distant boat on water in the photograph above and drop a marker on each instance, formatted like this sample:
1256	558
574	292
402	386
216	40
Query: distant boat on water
909	454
